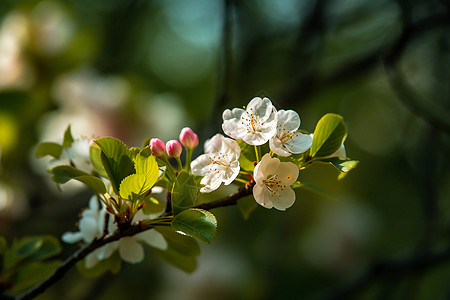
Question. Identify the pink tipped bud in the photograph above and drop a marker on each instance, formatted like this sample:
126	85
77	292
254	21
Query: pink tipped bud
157	146
188	138
173	148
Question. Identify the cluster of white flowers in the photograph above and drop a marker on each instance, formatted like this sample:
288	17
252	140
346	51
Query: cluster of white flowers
92	225
256	125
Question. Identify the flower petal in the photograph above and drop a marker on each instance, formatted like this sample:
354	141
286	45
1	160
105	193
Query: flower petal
261	196
287	173
277	147
130	250
299	143
72	237
153	238
284	199
232	123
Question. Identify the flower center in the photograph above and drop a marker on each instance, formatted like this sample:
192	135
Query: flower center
273	184
286	136
252	122
219	159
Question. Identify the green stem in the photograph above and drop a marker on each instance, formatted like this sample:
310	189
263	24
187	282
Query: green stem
241	180
188	159
180	165
258	158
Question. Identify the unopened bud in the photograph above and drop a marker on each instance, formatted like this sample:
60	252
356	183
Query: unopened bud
173	148
157	146
188	138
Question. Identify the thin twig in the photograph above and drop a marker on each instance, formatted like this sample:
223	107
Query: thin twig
111	237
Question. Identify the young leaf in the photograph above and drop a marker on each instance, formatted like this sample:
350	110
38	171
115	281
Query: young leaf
116	159
138	185
68	138
62	174
198	223
184	192
95	156
135	187
52	149
329	135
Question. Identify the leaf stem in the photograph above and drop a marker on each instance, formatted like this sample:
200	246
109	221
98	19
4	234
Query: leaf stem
258	158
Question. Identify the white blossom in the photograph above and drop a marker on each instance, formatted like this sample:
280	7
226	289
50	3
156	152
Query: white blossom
287	139
219	164
92	225
273	180
255	125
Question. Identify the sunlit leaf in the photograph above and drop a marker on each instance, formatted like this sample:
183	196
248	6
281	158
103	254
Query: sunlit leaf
329	135
116	159
52	149
198	223
95	156
137	185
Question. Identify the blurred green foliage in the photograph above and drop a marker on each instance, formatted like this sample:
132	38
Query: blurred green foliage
147	68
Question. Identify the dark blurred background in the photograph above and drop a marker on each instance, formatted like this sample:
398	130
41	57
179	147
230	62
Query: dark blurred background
147	68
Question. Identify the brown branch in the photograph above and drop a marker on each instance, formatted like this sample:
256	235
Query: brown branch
230	200
118	234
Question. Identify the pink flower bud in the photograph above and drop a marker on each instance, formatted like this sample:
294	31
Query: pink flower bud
173	148
188	138
157	146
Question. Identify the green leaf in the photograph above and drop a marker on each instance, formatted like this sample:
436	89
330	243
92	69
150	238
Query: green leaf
184	192
181	249
329	135
68	138
138	185
112	264
31	248
314	188
52	149
246	206
116	159
33	273
135	187
62	174
134	151
28	246
343	165
95	156
247	157
50	247
182	243
198	223
152	205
